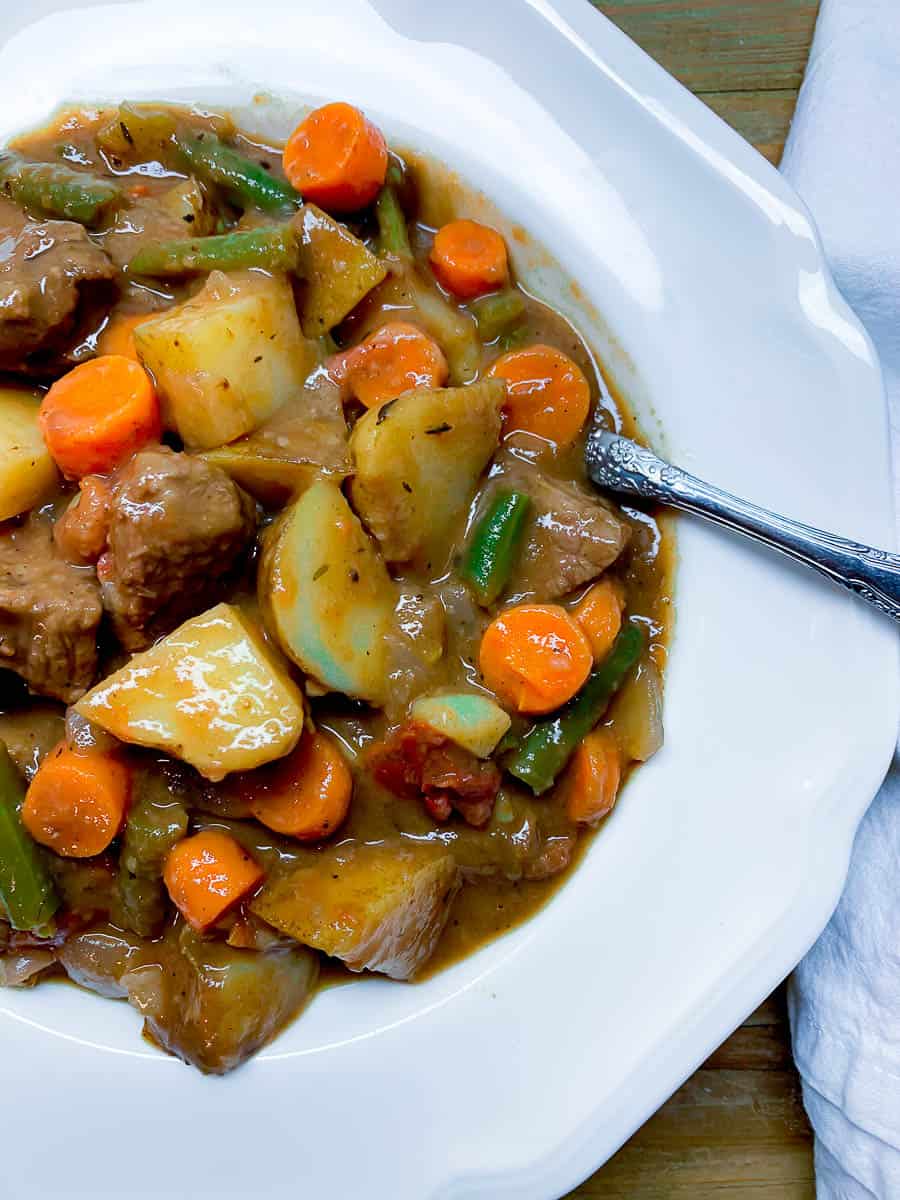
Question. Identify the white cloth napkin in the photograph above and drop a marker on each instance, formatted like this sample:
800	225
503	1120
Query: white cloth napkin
843	157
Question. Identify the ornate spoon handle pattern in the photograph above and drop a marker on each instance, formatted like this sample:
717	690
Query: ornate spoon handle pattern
621	465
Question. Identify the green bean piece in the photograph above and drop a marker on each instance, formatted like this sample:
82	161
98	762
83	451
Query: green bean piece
514	340
393	234
496	314
210	159
549	744
155	823
57	190
494	547
274	249
26	889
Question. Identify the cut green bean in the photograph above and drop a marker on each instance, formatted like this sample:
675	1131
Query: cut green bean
274	249
57	190
393	234
26	889
494	547
549	744
155	824
212	160
496	314
514	340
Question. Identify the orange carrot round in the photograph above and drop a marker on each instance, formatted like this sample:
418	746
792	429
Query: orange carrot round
98	414
207	874
599	613
76	803
469	259
337	158
547	393
393	359
307	794
591	782
535	657
117	336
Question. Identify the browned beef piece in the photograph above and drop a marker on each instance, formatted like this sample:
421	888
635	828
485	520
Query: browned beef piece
178	528
573	536
49	613
53	279
418	762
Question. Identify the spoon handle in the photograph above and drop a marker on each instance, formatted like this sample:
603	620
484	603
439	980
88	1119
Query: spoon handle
623	466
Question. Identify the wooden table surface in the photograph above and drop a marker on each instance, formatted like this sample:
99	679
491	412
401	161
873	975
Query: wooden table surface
736	1130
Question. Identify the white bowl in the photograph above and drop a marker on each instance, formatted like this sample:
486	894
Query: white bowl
517	1072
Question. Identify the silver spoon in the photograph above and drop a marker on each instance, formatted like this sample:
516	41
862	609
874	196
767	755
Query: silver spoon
621	465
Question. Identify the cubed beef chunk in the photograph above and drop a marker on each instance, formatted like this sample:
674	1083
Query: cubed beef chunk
49	613
573	535
418	762
178	530
53	281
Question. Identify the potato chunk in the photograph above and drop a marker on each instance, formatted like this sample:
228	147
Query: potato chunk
325	594
27	472
417	461
226	360
209	694
338	269
474	722
215	1006
377	908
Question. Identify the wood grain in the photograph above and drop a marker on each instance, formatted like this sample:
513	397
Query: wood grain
722	45
744	58
736	1130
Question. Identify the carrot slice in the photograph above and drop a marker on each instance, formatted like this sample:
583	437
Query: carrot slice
599	613
207	874
591	783
98	414
547	393
535	657
305	795
76	802
337	158
393	359
117	336
469	259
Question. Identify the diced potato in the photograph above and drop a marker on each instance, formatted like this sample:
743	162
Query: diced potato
209	694
304	439
27	472
338	269
376	907
417	460
226	360
188	202
474	722
215	1006
325	594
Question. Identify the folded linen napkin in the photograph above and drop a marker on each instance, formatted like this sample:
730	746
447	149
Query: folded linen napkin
843	157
